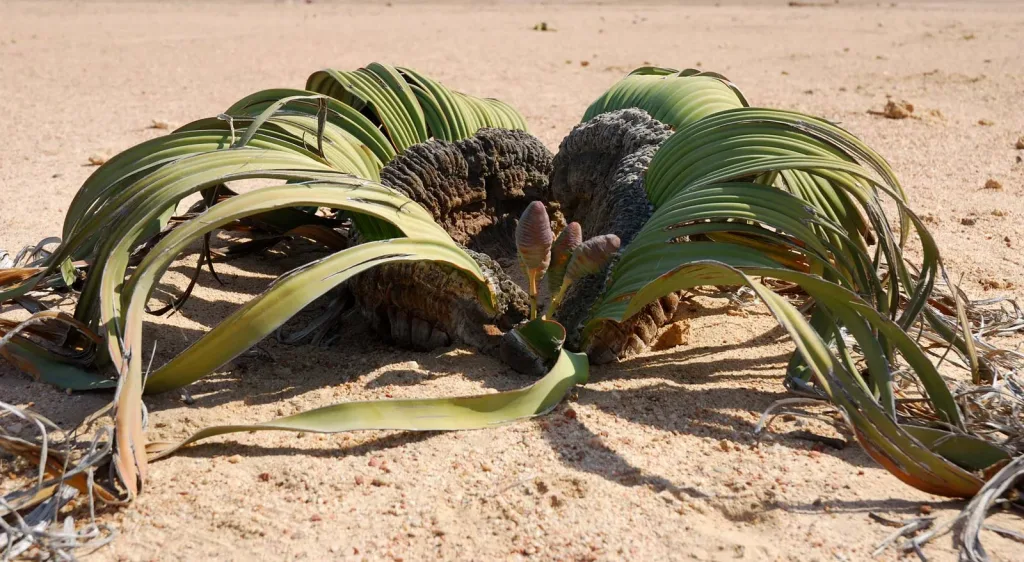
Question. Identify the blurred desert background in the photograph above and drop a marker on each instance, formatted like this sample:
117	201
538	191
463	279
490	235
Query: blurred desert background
654	459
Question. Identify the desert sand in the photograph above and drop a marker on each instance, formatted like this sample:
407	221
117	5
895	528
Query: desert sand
654	459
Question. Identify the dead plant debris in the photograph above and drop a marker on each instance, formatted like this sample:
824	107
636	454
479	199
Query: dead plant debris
675	335
895	110
990	283
98	159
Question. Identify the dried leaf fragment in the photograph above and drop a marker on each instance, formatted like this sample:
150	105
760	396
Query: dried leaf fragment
895	110
98	159
996	284
675	335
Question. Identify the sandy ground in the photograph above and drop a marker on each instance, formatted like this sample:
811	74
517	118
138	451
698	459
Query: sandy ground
654	460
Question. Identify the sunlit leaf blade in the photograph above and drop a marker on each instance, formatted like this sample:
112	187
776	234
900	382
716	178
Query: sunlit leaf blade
908	458
741	192
345	124
737	193
544	337
412	107
424	239
286	120
437	414
676	98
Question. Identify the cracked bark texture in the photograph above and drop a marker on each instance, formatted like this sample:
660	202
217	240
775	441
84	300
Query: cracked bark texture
476	189
598	180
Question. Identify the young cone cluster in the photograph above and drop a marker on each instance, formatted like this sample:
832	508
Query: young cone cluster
561	252
565	260
587	259
533	242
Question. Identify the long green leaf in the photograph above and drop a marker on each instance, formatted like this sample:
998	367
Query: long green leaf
437	414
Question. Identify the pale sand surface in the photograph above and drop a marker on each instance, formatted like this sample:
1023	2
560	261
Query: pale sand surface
658	461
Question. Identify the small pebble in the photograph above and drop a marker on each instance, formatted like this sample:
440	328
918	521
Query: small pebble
993	184
98	159
925	509
235	459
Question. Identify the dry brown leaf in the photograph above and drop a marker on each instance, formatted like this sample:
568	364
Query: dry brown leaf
995	284
895	110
